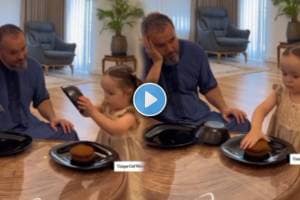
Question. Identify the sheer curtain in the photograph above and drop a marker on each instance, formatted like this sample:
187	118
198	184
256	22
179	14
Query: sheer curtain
44	10
253	16
178	10
78	26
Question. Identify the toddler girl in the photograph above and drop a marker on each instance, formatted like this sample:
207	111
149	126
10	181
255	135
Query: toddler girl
285	121
116	116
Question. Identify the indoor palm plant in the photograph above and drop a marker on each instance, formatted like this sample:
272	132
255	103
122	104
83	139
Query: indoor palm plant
290	8
114	19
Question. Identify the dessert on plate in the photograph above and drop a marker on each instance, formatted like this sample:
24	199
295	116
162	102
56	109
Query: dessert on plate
260	151
82	154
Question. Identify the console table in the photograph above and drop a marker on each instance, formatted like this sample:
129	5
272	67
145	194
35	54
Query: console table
119	60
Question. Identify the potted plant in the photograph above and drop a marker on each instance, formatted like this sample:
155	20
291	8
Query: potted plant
290	8
114	19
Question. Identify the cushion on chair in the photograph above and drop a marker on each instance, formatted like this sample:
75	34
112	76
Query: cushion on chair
220	33
213	31
213	12
215	19
45	39
40	26
43	44
58	54
216	23
227	41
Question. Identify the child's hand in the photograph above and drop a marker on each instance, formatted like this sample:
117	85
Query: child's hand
251	138
86	105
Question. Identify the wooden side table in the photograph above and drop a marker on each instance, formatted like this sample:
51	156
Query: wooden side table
119	60
284	45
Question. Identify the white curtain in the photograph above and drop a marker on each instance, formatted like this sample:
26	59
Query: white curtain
253	16
78	26
178	10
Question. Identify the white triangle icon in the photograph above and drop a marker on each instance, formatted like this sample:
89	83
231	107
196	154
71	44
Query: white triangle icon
149	99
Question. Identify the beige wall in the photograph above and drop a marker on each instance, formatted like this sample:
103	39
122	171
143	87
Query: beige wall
103	40
10	12
277	31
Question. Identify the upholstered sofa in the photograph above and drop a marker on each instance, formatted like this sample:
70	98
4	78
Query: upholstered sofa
217	35
46	47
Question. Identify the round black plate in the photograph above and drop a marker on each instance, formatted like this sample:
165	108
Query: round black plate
280	151
104	156
73	93
170	136
12	143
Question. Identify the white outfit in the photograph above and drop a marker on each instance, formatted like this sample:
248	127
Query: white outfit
285	122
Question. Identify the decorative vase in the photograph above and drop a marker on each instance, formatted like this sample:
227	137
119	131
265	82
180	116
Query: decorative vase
118	45
293	32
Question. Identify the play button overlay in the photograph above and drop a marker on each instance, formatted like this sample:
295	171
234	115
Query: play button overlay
149	99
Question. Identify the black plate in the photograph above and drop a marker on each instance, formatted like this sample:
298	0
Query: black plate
104	155
73	93
170	136
280	151
12	143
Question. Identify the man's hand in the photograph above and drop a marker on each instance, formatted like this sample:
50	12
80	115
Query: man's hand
65	124
239	115
157	59
152	52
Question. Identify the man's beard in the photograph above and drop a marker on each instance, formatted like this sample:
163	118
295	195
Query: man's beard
18	67
172	61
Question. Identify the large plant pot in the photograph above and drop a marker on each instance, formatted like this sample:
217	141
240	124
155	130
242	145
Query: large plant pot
293	32
119	45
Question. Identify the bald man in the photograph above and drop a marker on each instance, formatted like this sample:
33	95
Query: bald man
181	67
22	83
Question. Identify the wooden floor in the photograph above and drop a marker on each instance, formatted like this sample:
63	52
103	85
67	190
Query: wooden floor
245	91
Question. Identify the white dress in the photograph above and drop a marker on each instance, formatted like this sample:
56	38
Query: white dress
126	145
285	122
129	147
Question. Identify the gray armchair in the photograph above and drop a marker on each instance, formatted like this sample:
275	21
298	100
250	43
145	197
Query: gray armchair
217	36
45	46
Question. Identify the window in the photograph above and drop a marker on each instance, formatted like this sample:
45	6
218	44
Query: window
78	26
178	10
253	16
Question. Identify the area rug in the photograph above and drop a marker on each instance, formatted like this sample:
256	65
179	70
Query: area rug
224	69
54	81
228	69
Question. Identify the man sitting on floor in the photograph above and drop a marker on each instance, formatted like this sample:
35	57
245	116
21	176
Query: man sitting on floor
22	82
181	68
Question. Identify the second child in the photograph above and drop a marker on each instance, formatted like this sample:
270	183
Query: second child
286	99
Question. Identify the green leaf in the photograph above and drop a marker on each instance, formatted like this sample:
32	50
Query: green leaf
120	14
290	8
